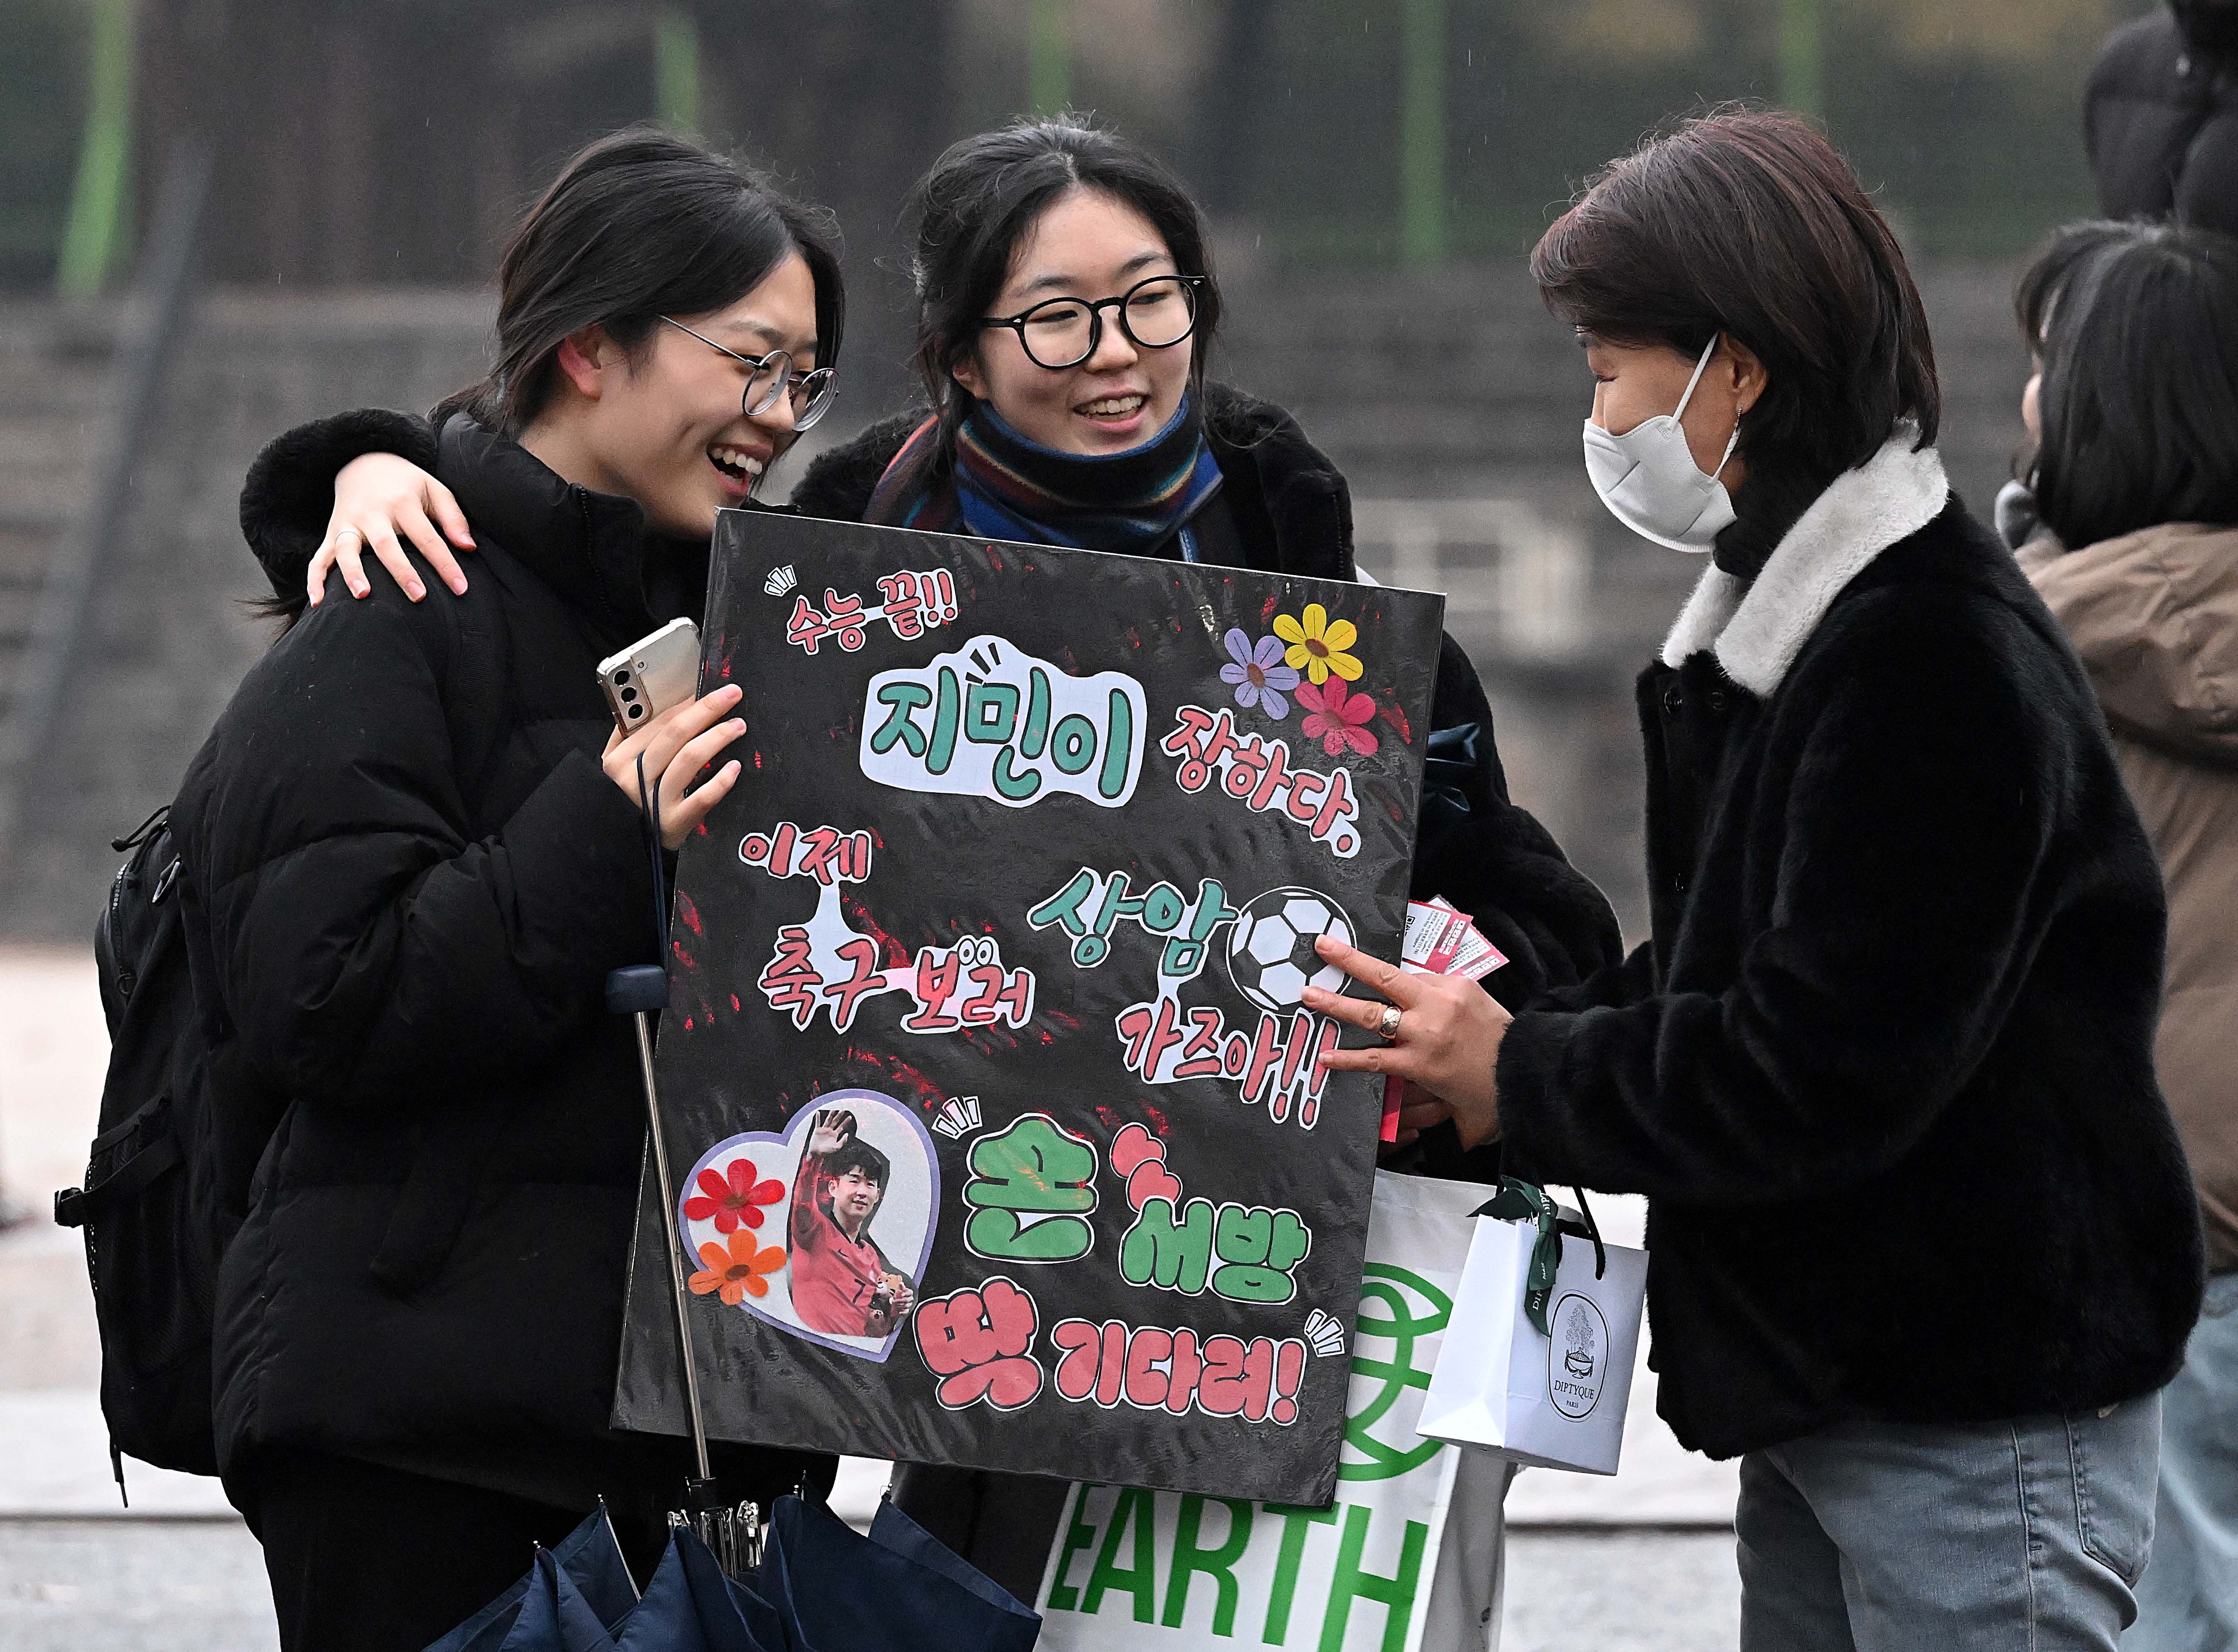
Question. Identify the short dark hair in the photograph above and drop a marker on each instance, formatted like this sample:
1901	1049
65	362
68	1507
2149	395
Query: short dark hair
858	1154
2136	326
1749	222
639	225
983	196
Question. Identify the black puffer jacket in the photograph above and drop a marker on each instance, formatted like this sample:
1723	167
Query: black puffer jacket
1885	1070
411	876
2160	119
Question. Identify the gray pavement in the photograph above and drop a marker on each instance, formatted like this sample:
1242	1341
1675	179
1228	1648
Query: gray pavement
130	1585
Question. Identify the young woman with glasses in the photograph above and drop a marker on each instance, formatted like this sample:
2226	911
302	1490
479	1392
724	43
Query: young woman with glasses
413	848
1067	306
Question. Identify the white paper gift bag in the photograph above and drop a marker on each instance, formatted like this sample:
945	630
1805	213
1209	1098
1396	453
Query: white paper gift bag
1551	1398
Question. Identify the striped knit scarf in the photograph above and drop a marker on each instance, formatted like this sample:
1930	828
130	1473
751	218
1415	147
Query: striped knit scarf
1005	487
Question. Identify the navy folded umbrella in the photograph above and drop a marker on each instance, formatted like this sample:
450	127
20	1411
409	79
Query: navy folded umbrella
554	1617
898	1590
589	1558
893	1529
690	1606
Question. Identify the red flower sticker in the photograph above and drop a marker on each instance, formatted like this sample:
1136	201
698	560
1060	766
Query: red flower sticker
1335	716
739	1198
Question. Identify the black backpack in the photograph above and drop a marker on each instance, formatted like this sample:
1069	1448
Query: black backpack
150	1209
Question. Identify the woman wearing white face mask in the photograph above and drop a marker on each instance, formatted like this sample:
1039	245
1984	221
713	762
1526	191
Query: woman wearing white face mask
1923	1245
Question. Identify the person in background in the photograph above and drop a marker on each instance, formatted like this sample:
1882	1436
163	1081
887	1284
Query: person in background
413	847
1922	1243
2133	413
2160	116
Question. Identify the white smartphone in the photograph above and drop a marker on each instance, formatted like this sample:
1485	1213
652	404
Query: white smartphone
651	674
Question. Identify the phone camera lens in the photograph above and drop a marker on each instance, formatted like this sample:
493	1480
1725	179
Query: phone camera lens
637	710
620	678
628	695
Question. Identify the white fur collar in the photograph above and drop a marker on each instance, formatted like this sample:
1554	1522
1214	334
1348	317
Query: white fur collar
1757	628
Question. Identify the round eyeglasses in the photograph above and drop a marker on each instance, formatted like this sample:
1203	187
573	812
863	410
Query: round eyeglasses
1059	332
772	376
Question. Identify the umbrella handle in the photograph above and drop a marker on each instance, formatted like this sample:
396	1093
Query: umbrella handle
667	1207
641	990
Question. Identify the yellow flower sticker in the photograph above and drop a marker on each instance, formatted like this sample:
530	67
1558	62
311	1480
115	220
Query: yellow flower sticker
1317	646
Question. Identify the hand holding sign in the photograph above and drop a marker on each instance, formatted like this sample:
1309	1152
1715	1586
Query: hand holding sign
1447	1039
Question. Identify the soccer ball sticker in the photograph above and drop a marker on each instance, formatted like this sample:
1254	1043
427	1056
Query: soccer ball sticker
1270	950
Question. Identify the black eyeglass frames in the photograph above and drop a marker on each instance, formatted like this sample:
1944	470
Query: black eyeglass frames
772	377
1058	333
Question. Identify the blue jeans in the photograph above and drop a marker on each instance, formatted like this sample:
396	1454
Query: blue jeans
2188	1600
2024	1535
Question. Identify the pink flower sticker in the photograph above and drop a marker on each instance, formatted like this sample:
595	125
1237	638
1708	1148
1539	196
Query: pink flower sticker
1336	716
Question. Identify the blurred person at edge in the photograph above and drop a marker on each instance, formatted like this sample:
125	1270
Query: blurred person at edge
2160	116
1131	447
2133	413
1922	1246
414	848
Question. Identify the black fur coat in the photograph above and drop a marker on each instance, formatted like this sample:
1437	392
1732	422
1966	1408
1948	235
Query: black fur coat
1885	1069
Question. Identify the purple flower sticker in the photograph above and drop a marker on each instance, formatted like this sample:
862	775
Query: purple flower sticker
1258	675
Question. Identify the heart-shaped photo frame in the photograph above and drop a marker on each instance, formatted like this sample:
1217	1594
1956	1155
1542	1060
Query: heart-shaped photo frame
836	1259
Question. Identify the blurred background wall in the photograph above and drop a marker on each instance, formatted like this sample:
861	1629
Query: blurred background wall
219	217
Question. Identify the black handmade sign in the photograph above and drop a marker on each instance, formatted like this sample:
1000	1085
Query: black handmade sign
1000	1134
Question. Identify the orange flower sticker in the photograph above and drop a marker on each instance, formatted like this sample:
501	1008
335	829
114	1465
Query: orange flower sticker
734	1269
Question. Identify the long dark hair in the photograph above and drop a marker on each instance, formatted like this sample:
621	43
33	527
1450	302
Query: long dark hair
2136	326
1749	222
978	203
639	225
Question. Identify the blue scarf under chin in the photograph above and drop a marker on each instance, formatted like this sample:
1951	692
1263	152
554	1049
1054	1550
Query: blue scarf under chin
1006	486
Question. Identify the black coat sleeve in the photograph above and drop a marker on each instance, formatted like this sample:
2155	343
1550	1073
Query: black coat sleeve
1501	866
1910	843
290	494
839	483
1496	862
366	947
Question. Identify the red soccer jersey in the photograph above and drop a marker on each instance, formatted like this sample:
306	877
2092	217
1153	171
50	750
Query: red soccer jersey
833	1277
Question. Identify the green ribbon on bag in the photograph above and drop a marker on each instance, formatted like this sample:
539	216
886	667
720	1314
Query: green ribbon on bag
1519	1202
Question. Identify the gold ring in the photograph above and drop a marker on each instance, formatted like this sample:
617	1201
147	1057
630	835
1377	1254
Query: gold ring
1388	1027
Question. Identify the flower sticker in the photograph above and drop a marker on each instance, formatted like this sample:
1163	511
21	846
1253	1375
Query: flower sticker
1317	644
1336	716
736	1271
739	1198
1258	675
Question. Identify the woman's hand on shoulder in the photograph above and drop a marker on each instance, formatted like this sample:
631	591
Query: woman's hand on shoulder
377	497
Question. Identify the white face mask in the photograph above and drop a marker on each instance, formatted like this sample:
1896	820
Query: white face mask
1649	480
